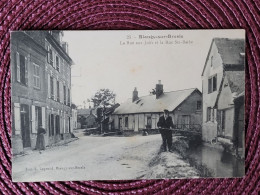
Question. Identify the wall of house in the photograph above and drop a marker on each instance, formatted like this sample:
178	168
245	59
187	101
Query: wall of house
225	98
209	128
229	123
225	102
91	121
27	94
189	107
57	104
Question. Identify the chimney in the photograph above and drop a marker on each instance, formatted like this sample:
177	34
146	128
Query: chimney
135	95
158	89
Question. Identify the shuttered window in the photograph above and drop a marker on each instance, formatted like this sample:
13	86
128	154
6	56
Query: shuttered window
36	76
21	69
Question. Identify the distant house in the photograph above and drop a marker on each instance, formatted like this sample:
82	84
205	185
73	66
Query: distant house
140	113
230	109
222	81
86	118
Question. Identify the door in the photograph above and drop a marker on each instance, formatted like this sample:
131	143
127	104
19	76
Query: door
25	125
57	124
120	124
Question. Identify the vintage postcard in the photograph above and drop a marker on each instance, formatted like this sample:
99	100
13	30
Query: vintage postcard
123	105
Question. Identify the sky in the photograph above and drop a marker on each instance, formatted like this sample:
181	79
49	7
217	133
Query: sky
123	60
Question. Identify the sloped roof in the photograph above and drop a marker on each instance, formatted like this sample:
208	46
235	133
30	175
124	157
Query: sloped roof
148	104
236	81
84	111
230	51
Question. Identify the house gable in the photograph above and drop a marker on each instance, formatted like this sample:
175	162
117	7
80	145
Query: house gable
225	99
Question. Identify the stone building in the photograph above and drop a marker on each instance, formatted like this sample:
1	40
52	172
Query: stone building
222	80
40	68
140	113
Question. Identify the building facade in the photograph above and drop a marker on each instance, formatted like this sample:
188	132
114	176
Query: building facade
224	57
140	113
87	118
32	104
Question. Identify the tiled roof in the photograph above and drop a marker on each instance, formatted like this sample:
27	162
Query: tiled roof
148	104
231	50
236	80
84	111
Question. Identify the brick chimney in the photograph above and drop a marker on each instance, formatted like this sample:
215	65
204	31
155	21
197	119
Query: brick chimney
158	89
135	95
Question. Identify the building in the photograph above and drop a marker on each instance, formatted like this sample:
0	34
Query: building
87	118
58	71
222	80
40	67
74	118
230	110
140	113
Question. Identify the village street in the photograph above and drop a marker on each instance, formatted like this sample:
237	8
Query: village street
97	158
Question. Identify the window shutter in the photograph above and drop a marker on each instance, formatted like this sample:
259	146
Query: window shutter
49	85
18	67
54	61
34	130
48	57
17	119
55	89
61	94
26	70
43	118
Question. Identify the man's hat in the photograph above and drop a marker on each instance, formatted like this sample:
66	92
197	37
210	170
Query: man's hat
166	111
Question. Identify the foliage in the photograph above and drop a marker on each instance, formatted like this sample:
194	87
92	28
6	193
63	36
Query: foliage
104	98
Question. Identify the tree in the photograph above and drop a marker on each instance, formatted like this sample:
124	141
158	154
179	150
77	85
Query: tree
104	98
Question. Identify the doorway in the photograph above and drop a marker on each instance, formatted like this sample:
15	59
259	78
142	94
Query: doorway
120	124
25	125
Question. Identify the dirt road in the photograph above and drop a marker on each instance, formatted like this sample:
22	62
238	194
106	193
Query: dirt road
89	158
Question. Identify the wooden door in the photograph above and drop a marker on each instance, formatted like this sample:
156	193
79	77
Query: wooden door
25	126
120	124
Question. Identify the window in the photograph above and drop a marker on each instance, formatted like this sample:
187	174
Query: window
58	63
213	115
52	88
58	91
68	97
126	121
50	56
212	84
64	91
209	114
198	105
21	69
214	87
223	117
36	76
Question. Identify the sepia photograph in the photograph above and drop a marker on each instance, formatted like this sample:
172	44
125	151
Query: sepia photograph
127	104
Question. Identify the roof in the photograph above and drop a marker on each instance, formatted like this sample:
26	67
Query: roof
231	51
149	104
236	81
84	111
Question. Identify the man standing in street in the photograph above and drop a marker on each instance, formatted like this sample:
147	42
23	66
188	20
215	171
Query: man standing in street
165	123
